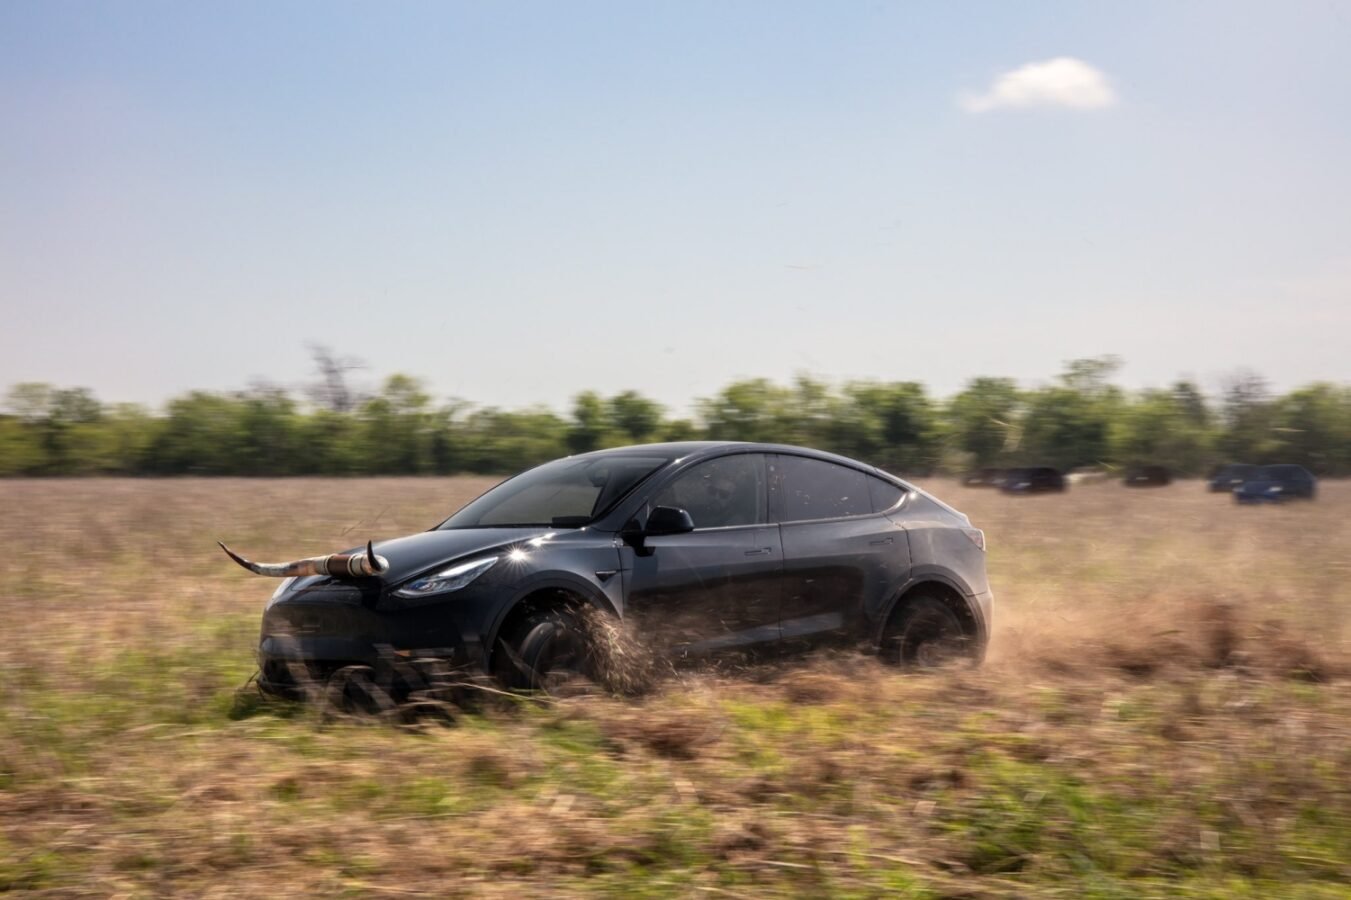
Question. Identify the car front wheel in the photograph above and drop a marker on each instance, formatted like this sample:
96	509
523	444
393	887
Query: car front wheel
547	649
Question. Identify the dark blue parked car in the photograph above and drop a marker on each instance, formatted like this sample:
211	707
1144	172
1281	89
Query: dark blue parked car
1276	484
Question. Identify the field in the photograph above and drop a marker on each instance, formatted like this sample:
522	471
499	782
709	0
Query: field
1165	712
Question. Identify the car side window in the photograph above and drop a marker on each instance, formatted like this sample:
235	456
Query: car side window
815	489
720	493
884	494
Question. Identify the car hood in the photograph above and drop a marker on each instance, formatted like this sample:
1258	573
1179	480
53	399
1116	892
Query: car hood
414	554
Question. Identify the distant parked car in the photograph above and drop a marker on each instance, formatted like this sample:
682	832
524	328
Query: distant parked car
1147	476
1033	480
1276	484
1226	478
984	478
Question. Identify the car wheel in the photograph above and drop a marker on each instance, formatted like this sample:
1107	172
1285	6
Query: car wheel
354	690
924	633
548	649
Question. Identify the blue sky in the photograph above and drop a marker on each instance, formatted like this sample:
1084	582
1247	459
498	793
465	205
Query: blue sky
519	201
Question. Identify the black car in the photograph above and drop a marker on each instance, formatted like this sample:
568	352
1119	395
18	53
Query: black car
701	546
1226	478
1147	476
1276	484
1033	480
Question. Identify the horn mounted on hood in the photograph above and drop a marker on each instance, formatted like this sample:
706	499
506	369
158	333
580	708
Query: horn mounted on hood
349	565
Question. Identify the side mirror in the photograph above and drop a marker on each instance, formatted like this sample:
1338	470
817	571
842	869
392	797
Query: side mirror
668	520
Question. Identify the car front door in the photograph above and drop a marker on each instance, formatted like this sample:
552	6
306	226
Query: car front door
716	587
842	555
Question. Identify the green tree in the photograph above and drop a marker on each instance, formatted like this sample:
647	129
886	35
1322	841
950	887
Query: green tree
1248	415
1068	424
334	444
30	401
982	419
270	435
21	451
200	435
497	441
1312	427
893	425
635	417
753	410
398	428
590	428
1161	428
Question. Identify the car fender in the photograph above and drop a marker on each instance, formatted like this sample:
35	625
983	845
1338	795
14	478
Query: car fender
933	574
592	592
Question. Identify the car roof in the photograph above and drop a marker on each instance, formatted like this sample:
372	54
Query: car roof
696	449
1285	469
684	450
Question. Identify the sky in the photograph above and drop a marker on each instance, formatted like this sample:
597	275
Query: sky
519	201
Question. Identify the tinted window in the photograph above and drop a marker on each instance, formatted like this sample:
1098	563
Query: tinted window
564	493
884	494
720	492
1284	473
814	489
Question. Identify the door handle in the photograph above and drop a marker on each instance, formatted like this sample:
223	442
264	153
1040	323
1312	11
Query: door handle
763	551
879	542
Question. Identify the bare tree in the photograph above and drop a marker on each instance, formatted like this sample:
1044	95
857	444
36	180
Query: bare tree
332	390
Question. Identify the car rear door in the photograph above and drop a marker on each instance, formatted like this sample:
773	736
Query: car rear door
841	558
716	587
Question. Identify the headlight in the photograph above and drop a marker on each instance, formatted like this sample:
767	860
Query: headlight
1274	489
446	580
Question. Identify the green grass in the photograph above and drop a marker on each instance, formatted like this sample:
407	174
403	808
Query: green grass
1102	752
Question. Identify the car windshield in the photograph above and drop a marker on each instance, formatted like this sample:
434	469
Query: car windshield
566	493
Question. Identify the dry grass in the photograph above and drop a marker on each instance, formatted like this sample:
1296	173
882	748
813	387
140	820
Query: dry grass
1164	712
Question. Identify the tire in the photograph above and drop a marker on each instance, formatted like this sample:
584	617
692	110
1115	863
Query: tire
548	648
353	690
924	633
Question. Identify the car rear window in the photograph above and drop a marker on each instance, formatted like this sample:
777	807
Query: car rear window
816	489
1284	473
884	494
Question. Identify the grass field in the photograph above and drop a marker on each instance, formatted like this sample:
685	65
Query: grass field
1165	712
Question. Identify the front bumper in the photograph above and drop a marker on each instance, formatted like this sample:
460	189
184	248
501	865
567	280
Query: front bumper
292	667
309	636
1262	497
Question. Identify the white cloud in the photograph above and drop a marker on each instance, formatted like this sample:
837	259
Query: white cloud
1064	82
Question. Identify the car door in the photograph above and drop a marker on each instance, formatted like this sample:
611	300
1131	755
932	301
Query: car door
715	587
842	556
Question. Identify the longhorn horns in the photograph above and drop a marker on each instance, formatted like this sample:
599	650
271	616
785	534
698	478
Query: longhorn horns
349	565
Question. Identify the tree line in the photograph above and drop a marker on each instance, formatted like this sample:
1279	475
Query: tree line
1079	419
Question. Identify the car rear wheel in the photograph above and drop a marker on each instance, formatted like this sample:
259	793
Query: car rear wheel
924	633
548	649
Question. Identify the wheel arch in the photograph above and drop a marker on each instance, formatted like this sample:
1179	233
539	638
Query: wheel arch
946	588
559	590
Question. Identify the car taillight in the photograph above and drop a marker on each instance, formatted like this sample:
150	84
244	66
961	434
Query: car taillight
976	535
